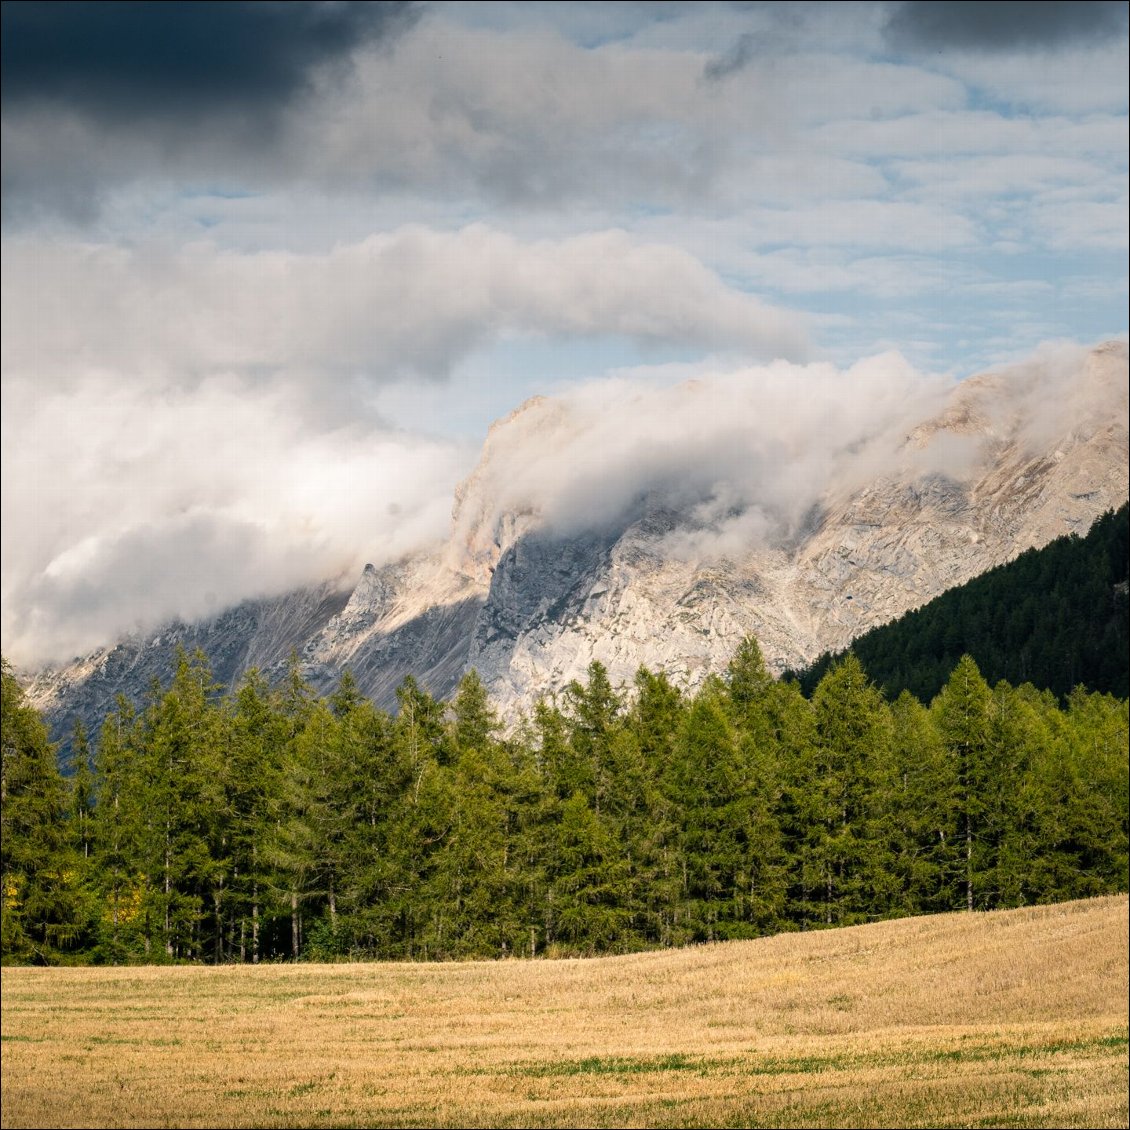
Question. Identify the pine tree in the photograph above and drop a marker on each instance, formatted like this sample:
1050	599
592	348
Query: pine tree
184	850
473	899
476	725
924	813
961	713
418	824
82	792
118	822
1024	728
758	707
44	912
593	712
847	841
588	885
257	732
1079	802
747	678
379	779
709	790
650	734
315	813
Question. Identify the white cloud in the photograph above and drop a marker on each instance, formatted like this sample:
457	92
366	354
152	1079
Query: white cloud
1027	174
748	453
1073	81
124	506
413	300
184	428
1075	225
517	117
771	439
864	224
958	132
192	395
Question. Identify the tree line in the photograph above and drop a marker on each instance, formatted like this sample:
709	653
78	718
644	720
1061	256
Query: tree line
270	823
1054	617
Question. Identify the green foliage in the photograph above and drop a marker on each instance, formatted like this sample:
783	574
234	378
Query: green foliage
961	714
45	911
923	813
274	824
1055	617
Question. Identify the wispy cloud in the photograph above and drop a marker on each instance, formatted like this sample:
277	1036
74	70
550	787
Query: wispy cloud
415	300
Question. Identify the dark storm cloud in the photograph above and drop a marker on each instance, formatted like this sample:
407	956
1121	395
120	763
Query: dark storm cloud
734	59
779	31
183	61
994	26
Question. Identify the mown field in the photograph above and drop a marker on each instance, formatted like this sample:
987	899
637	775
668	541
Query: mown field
1014	1018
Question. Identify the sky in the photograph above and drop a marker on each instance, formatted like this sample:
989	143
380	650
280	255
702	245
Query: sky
270	271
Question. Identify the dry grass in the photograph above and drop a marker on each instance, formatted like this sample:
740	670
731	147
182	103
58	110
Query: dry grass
1016	1018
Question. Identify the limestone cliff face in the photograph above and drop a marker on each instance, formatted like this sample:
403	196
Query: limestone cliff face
1012	460
997	471
256	633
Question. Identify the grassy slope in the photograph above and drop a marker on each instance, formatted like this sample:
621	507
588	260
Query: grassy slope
1015	1018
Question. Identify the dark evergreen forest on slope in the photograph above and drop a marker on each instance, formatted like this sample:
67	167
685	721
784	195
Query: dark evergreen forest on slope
1054	617
269	823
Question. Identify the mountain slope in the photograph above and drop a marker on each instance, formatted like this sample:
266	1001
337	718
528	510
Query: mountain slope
531	593
1055	617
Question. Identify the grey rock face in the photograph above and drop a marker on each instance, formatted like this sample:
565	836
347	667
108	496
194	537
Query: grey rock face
258	633
530	606
541	584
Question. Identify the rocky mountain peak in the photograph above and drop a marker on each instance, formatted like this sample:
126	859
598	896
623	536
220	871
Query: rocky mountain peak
580	536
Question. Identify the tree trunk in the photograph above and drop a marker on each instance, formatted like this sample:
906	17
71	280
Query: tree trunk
254	908
217	903
168	890
968	864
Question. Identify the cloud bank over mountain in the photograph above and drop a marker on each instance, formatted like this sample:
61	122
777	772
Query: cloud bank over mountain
243	238
168	494
139	504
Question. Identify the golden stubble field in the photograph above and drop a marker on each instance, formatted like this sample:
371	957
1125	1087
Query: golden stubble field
1016	1018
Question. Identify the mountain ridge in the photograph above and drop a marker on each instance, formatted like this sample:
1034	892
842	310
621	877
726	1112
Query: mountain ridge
530	595
1055	617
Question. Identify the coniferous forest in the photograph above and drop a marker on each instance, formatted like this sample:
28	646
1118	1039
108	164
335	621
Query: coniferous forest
1054	617
268	823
